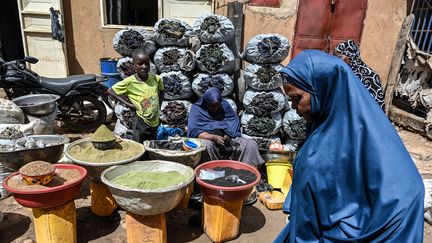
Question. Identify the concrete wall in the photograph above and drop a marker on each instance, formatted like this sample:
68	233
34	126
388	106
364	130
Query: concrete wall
87	41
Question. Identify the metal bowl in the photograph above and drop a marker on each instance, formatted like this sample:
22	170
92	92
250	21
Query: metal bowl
37	104
52	154
148	201
279	156
95	169
104	145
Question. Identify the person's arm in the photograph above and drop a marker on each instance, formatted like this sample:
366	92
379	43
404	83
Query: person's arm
121	99
161	95
212	137
161	89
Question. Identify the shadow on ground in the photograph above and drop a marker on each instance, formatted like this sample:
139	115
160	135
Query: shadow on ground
13	226
252	220
91	227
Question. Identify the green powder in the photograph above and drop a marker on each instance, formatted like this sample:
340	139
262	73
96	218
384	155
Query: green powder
121	151
103	134
149	180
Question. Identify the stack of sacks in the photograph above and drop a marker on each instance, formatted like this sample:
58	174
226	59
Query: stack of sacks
214	60
263	100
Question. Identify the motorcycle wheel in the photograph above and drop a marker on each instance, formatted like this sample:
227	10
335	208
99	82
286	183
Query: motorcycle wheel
82	113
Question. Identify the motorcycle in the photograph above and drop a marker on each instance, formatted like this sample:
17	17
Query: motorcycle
81	105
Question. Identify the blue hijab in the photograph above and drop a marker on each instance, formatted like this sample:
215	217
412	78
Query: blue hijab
354	180
201	120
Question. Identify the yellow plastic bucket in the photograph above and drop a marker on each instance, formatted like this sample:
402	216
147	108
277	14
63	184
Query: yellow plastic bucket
276	173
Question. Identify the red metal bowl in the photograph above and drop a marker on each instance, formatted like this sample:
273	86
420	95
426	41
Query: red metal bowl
49	197
226	194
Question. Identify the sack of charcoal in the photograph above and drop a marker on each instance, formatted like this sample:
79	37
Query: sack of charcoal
294	125
213	28
175	113
263	142
253	125
263	76
128	40
233	104
263	103
215	58
177	86
125	67
221	81
266	48
172	32
167	59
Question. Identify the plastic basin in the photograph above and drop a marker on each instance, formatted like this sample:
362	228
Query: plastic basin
52	154
150	201
226	194
49	197
95	169
189	158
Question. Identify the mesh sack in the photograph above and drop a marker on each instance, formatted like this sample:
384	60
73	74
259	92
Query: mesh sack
177	86
212	28
261	126
232	103
263	143
293	125
263	76
221	81
266	48
175	113
172	32
167	59
125	67
263	103
128	40
215	58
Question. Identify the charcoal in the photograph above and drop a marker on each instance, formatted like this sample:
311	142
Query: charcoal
175	114
263	104
171	29
173	85
268	46
266	73
132	39
260	126
211	24
212	82
212	57
170	57
168	145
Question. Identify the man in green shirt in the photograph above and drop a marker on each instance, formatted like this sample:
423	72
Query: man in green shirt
144	92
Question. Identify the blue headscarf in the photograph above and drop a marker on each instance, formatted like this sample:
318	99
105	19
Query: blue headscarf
354	180
201	120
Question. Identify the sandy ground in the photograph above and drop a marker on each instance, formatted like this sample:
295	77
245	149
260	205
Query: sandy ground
257	224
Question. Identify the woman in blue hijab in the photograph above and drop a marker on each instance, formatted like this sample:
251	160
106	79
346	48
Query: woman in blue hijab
354	180
212	119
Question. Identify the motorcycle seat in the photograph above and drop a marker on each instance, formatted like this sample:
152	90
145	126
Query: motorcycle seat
64	85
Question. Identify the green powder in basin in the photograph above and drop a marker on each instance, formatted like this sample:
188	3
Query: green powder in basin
149	180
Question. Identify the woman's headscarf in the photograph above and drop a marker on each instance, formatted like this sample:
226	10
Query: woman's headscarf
369	78
201	120
353	177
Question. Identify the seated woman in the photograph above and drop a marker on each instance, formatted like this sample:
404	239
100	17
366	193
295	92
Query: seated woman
212	119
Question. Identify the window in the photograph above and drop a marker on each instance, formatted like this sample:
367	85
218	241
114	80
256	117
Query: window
121	13
421	30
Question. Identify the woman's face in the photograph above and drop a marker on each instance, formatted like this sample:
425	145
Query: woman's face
214	107
300	101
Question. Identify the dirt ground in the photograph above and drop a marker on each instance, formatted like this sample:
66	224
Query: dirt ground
257	224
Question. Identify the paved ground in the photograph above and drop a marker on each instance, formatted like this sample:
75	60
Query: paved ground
258	224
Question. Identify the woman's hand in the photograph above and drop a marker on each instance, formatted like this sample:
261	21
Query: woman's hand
218	139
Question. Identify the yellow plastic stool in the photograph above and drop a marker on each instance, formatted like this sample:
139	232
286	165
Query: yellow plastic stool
57	224
221	220
102	201
151	228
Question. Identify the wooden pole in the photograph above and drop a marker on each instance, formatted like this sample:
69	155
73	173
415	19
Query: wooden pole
396	61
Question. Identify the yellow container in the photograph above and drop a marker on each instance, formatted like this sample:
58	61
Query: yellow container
276	173
102	201
146	228
221	220
56	224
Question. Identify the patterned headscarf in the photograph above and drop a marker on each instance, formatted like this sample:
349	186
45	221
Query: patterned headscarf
369	78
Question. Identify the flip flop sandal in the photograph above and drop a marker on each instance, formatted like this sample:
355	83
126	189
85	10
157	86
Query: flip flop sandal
252	199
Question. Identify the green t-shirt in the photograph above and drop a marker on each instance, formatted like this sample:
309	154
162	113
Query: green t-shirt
143	95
